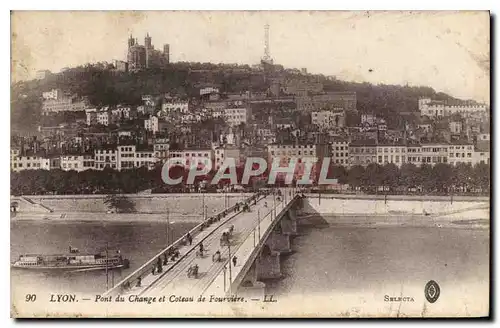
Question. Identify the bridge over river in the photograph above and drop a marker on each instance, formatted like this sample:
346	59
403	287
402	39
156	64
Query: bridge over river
262	231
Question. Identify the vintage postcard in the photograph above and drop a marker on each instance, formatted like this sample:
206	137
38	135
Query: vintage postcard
250	164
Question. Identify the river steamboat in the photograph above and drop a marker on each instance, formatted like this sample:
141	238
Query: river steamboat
74	261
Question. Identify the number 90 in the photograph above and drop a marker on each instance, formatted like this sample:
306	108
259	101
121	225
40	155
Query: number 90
30	297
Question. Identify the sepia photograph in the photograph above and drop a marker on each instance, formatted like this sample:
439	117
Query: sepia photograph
250	164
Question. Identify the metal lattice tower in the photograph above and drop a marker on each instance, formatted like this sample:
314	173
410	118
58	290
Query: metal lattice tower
267	52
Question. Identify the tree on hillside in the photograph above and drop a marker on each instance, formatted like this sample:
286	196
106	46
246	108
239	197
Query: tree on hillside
355	175
410	175
119	203
391	175
442	175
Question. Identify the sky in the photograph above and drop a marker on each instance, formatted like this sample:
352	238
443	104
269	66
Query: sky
448	51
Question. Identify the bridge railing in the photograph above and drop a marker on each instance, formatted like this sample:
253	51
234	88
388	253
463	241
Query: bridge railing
238	279
146	267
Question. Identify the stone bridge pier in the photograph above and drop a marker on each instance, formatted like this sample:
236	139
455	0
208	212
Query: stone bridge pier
267	264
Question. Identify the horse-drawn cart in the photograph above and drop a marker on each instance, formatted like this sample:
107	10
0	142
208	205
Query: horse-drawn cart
193	271
226	236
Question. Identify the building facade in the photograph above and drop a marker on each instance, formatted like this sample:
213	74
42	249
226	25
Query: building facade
55	101
340	152
21	163
437	108
328	119
344	100
151	124
146	56
236	116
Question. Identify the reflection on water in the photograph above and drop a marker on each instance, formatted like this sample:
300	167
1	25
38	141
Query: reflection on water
137	241
336	259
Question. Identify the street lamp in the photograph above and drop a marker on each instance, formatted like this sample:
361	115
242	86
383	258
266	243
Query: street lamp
225	269
229	260
258	226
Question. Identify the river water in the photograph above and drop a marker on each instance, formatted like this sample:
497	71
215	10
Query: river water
371	262
326	258
137	241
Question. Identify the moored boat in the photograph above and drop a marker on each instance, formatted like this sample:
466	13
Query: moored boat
72	261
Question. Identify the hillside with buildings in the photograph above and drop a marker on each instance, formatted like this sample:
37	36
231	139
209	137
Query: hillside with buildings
138	113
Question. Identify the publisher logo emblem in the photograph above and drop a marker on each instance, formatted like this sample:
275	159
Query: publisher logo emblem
432	291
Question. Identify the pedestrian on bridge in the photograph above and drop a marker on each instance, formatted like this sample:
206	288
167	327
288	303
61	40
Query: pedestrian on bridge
165	259
189	239
160	268
234	260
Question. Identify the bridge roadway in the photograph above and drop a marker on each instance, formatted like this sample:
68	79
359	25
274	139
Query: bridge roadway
176	282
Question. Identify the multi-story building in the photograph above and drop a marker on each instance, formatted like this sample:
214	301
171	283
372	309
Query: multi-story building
175	106
395	153
222	153
104	117
105	157
121	113
363	152
53	94
414	154
433	153
369	119
77	162
131	156
295	86
126	156
208	90
481	155
14	153
344	100
340	152
55	101
161	147
20	163
145	157
439	108
236	116
91	115
301	154
151	124
455	127
461	153
193	156
329	119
